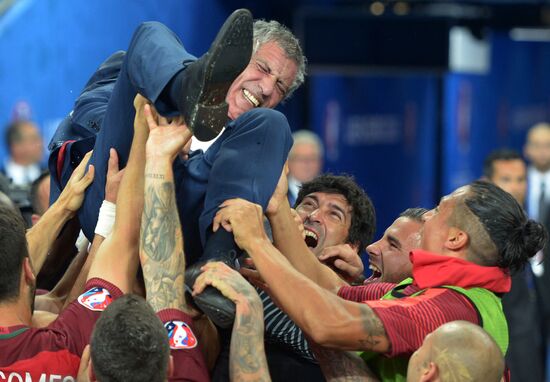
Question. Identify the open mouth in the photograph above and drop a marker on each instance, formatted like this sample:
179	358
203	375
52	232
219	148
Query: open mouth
376	273
311	239
250	98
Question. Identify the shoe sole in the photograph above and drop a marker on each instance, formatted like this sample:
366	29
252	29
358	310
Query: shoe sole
228	56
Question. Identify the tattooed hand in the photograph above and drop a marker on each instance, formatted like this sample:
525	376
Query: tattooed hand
228	281
247	360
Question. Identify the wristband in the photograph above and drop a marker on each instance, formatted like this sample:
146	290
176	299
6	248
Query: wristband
106	219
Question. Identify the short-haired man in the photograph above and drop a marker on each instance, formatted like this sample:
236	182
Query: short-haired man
506	168
249	69
389	257
457	351
468	244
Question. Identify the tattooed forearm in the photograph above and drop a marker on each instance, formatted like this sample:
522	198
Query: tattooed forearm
164	284
154	176
161	245
159	221
247	357
373	330
341	366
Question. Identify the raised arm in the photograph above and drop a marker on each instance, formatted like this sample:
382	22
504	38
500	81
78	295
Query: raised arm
117	258
43	234
161	244
247	361
326	318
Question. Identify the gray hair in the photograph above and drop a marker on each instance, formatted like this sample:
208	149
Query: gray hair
266	31
308	137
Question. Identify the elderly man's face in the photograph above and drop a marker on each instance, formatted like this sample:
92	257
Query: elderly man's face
265	81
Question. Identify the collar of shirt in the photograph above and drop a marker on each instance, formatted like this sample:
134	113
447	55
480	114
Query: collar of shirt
433	270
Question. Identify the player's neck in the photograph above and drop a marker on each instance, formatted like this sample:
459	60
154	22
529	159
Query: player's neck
15	313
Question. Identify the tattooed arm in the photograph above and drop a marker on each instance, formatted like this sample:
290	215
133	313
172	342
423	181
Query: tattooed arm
161	244
326	318
247	360
342	366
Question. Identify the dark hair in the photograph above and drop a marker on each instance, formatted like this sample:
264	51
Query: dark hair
129	343
496	155
515	237
363	217
415	213
35	203
13	250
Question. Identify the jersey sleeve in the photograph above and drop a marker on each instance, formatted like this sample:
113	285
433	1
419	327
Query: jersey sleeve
367	292
409	320
189	363
77	321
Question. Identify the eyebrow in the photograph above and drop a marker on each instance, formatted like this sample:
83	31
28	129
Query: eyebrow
392	239
314	197
269	70
337	207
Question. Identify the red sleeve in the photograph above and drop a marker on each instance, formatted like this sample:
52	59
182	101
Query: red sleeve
408	320
78	319
189	363
367	292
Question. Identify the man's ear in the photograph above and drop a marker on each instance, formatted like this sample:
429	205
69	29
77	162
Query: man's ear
28	271
170	370
457	239
431	374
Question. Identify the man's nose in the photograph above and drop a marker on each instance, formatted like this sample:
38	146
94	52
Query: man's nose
315	215
268	84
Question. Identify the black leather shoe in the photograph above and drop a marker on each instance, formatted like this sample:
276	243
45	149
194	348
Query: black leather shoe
211	302
207	80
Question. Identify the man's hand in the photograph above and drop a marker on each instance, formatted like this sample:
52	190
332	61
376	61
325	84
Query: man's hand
228	281
166	139
244	219
73	193
344	260
114	176
280	194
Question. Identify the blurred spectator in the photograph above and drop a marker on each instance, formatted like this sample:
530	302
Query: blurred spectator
506	169
457	351
26	150
305	161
